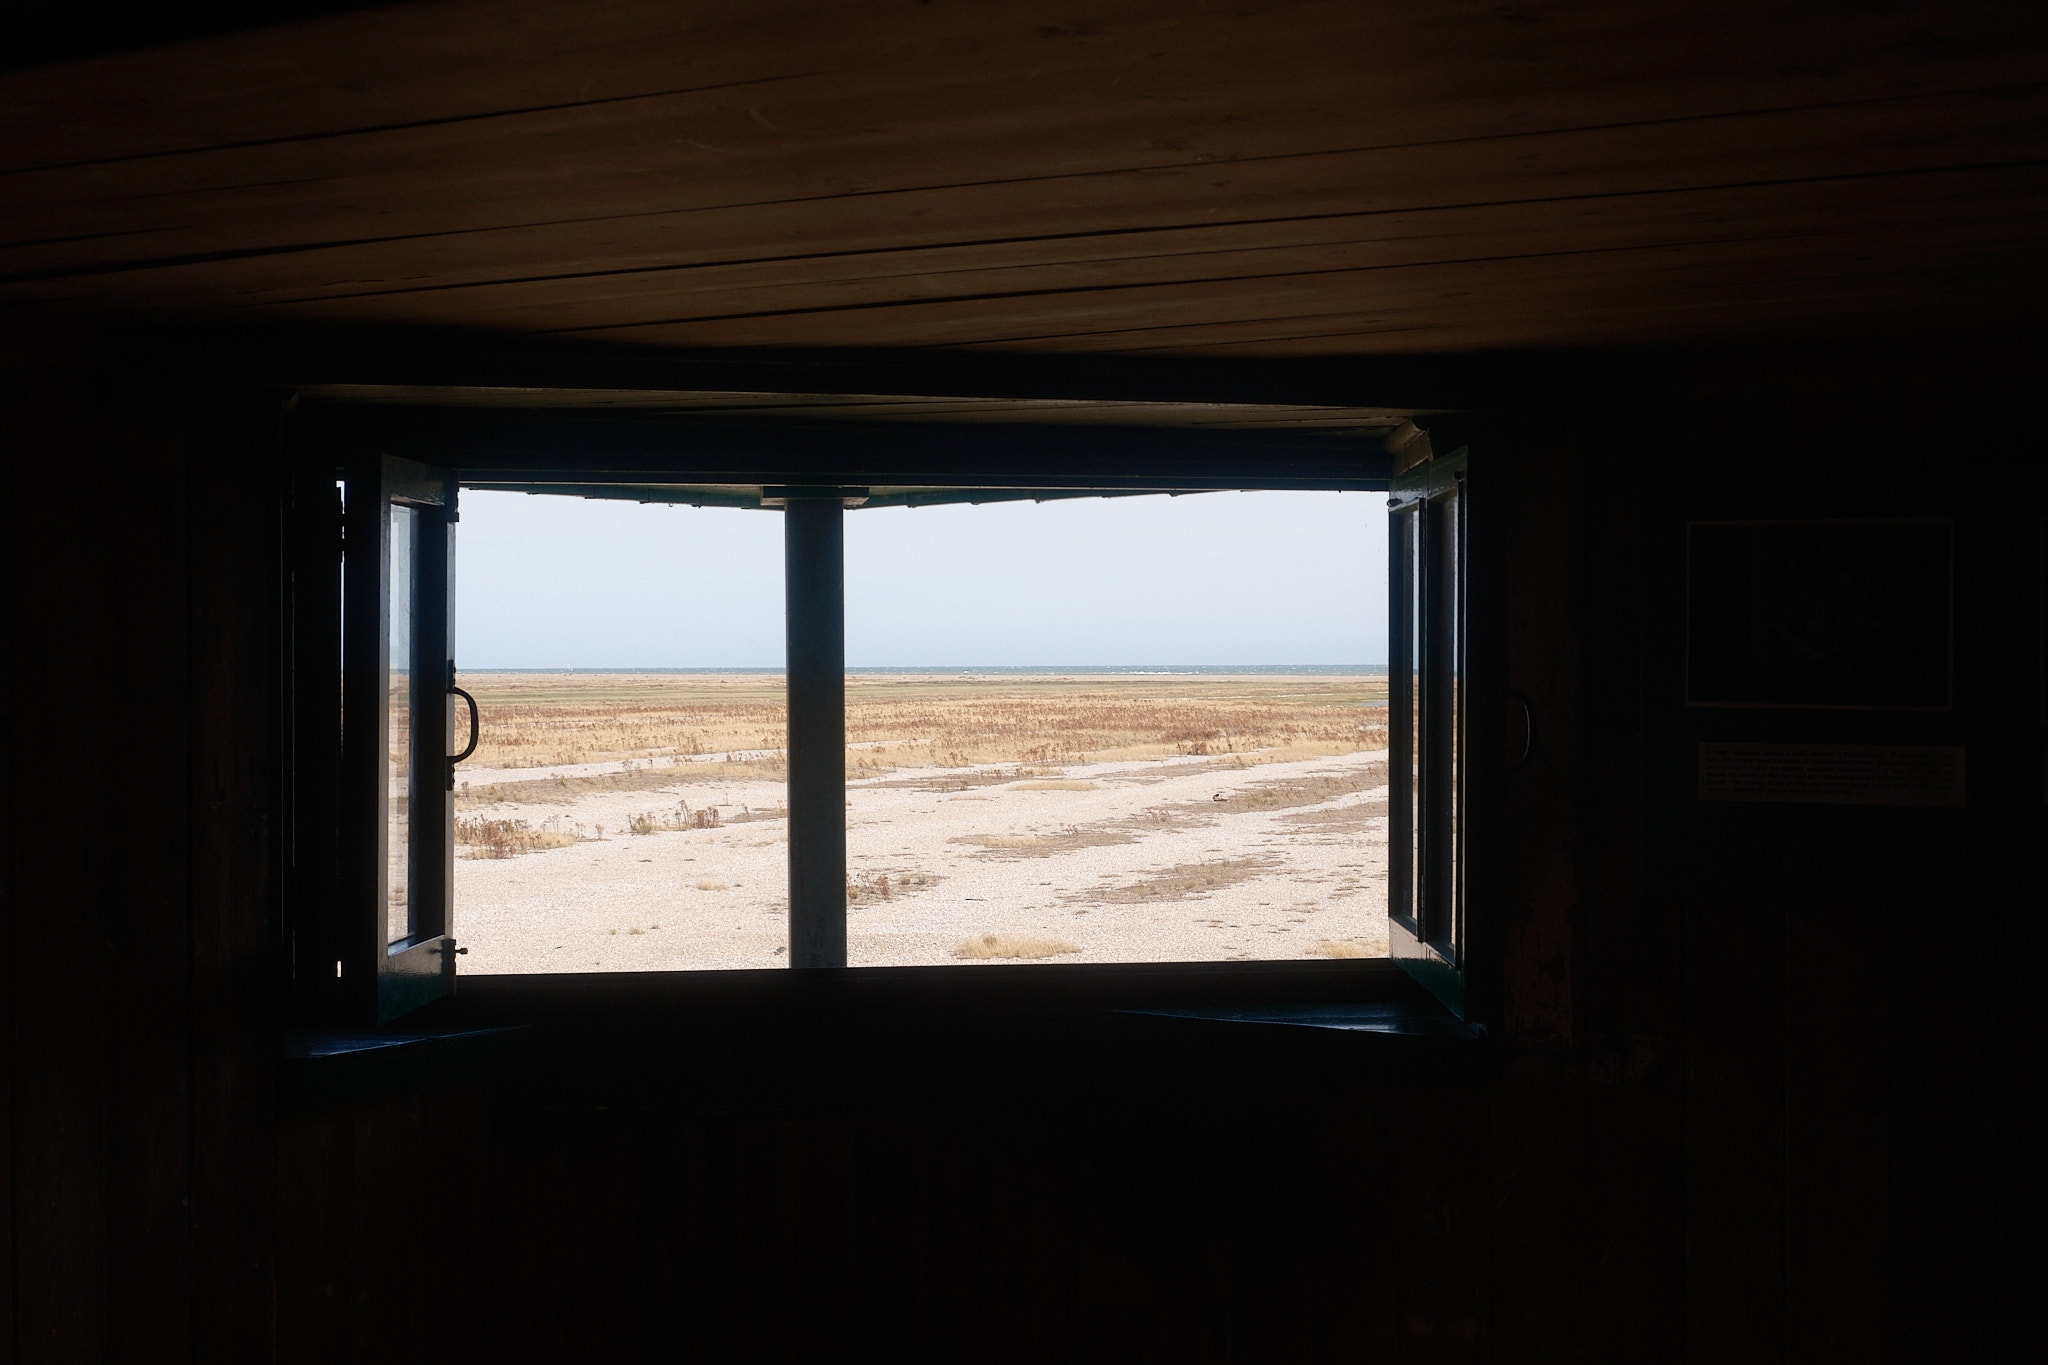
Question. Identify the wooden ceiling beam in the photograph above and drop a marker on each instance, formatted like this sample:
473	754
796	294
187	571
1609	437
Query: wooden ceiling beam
500	447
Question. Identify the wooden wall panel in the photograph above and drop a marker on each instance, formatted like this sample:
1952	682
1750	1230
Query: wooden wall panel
233	730
142	760
97	805
1838	1131
1758	1096
1188	1219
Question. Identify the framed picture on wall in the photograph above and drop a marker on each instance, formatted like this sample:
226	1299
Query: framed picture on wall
1851	615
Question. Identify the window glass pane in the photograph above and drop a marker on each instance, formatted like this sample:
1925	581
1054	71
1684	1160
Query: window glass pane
1439	732
1436	714
1117	730
1414	592
1401	715
400	688
1454	687
625	809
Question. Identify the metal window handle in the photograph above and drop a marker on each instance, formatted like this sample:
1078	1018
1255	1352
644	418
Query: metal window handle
454	759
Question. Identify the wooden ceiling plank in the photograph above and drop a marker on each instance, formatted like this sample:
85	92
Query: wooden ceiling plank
462	61
1733	285
1612	161
1560	309
973	174
1855	215
627	171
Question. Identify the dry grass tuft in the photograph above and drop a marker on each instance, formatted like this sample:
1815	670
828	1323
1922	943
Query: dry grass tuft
510	838
985	946
682	817
708	885
1183	881
881	886
1343	947
961	781
1287	793
1045	845
1364	815
1070	786
1008	842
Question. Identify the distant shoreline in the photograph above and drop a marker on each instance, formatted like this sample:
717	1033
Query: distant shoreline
1017	670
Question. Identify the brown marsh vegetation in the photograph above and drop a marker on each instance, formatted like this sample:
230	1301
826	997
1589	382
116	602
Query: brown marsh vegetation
484	838
541	720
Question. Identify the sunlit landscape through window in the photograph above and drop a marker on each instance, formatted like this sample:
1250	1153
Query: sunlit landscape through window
1138	729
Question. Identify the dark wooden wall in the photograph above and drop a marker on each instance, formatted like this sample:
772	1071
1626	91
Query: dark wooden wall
141	551
1761	1091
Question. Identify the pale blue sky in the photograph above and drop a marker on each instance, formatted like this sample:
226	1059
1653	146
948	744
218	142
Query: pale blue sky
1212	578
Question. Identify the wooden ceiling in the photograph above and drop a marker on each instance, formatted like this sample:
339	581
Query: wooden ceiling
1127	177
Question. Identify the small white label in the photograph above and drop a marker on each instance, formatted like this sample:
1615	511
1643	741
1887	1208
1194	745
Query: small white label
1833	774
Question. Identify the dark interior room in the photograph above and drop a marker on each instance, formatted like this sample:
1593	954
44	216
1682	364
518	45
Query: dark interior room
1683	350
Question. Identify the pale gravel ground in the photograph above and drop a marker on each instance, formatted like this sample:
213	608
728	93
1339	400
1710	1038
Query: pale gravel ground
575	909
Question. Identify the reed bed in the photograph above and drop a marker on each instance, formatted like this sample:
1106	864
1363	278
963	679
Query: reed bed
681	818
484	838
921	721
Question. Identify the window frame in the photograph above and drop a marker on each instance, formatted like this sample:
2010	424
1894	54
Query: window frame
1429	706
592	471
348	967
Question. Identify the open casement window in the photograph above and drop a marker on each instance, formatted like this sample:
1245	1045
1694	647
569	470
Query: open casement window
396	948
1428	704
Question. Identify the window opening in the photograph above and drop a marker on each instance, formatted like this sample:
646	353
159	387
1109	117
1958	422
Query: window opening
402	695
1129	729
1144	729
626	807
1118	728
